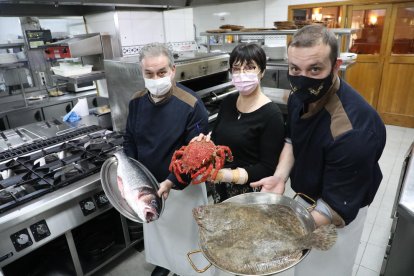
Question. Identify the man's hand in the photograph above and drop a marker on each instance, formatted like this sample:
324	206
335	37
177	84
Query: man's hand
165	188
272	184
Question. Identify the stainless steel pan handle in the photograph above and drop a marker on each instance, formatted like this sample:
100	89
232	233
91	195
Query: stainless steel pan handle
193	265
310	208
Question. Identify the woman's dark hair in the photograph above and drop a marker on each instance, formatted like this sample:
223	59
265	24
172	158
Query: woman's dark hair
247	52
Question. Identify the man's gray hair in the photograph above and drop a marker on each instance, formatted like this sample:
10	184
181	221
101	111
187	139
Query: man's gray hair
156	49
312	35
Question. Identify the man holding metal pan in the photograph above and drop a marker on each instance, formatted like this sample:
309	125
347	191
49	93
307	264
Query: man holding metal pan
333	144
161	119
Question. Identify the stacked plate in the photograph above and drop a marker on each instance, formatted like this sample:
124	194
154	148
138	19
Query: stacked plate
7	58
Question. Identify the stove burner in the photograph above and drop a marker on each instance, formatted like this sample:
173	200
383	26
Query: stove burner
64	174
33	174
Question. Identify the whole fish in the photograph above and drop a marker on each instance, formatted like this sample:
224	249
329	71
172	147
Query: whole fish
254	239
138	188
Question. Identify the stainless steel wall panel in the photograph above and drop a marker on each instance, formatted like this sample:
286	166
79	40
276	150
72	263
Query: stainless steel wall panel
123	80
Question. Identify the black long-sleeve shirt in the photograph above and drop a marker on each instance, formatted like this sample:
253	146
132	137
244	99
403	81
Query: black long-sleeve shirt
255	139
155	130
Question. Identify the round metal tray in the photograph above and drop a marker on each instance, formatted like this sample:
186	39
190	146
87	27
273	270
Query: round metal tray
302	214
110	187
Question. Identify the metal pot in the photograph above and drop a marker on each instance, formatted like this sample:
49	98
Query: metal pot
302	213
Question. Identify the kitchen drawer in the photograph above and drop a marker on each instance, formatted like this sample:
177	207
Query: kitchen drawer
21	118
56	111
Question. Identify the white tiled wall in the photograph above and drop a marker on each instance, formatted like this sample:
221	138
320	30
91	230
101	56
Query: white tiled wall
9	29
249	14
140	27
73	25
179	25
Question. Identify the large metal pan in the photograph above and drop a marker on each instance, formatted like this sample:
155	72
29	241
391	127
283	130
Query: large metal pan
110	187
302	214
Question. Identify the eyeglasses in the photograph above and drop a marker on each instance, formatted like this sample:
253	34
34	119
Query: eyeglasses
248	68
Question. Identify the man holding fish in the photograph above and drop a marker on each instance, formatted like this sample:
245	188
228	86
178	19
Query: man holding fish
161	119
334	141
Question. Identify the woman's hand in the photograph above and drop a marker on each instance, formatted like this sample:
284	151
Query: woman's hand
165	188
202	136
272	184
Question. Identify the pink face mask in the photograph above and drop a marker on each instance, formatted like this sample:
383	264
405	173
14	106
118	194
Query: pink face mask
245	83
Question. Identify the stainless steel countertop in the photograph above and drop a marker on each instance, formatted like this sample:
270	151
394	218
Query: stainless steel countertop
42	204
43	130
48	101
406	201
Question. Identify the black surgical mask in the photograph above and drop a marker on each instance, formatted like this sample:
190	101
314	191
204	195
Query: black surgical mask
309	90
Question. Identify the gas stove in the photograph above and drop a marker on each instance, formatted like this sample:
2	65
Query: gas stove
50	187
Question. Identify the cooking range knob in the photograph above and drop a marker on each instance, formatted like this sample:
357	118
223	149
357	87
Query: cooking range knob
87	206
40	230
21	240
101	199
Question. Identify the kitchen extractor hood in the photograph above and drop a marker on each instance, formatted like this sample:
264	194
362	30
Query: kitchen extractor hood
84	7
161	4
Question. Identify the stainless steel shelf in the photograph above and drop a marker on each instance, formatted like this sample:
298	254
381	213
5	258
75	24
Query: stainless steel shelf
11	45
340	32
17	64
94	75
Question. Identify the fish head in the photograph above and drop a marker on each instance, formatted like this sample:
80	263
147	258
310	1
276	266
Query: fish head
149	204
209	217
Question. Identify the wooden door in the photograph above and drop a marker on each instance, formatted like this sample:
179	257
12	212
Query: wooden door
396	99
372	22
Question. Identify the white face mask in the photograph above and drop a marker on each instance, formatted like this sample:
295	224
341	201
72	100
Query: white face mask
158	87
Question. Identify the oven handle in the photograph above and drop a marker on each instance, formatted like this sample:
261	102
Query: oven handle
219	97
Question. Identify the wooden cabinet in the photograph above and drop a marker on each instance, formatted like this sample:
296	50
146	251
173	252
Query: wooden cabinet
396	94
369	42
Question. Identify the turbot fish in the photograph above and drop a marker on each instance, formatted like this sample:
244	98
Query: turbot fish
137	187
254	239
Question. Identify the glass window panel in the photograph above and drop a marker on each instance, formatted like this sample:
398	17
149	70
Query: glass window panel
370	24
328	16
403	42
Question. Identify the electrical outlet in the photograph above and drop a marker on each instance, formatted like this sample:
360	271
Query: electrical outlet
42	78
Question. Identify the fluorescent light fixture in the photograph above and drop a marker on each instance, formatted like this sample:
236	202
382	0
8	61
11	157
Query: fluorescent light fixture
221	14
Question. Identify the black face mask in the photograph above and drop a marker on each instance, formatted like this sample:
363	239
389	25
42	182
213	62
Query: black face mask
309	90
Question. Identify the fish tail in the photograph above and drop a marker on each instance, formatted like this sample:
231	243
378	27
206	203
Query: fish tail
323	238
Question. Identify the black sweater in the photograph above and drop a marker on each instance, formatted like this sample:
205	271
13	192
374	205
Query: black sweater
255	139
